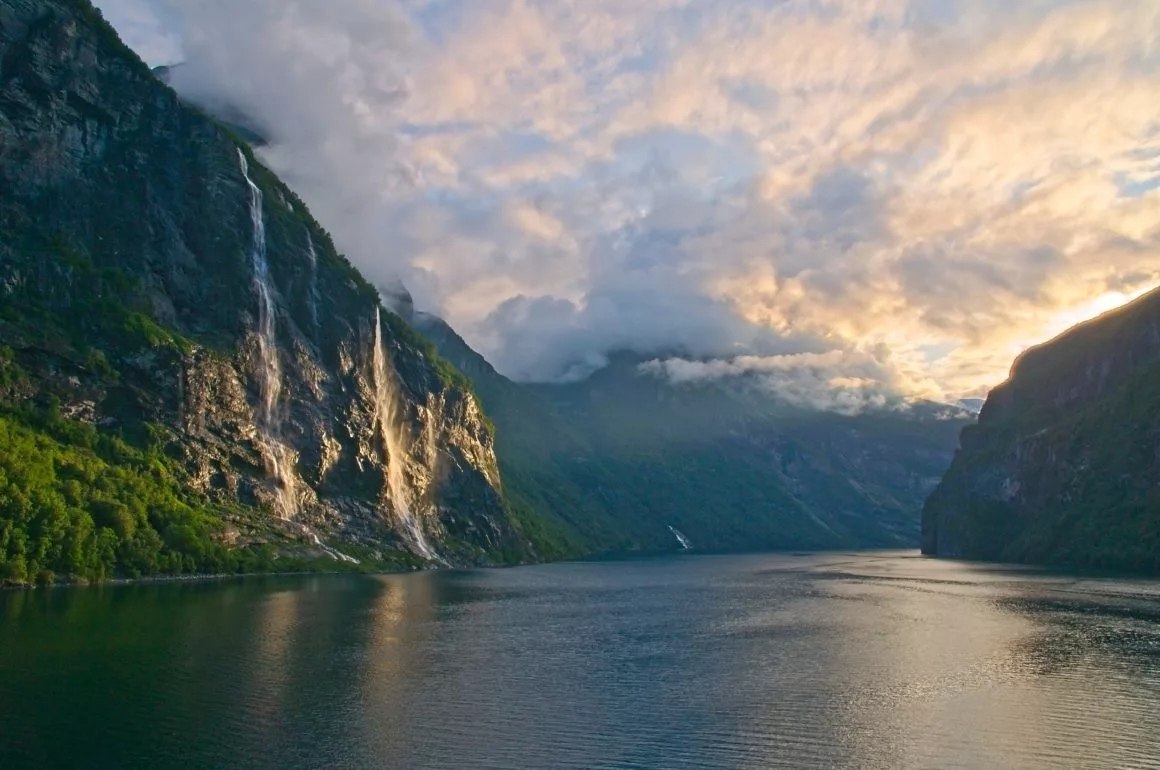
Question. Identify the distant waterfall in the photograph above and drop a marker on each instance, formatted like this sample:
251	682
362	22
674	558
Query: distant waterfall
326	549
279	457
395	440
312	255
684	541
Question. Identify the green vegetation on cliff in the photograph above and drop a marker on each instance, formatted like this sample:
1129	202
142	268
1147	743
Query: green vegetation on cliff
85	504
76	503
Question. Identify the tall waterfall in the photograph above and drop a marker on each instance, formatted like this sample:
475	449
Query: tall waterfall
312	255
396	441
279	458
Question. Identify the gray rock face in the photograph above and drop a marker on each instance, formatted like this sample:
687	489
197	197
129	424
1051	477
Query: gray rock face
127	288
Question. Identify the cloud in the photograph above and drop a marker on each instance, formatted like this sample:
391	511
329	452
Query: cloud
835	381
948	181
144	29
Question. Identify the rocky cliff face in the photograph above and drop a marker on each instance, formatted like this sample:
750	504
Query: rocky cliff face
1064	464
158	282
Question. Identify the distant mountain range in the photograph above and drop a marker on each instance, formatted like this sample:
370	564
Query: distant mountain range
614	460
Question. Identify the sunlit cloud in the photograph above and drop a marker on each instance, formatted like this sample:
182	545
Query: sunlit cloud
932	185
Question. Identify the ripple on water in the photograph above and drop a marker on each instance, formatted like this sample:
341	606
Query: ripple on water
817	660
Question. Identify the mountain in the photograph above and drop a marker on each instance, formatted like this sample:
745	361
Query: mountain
233	118
1064	463
191	377
618	461
612	462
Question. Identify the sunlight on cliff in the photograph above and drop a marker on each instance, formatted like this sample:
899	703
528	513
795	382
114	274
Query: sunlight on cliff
1109	300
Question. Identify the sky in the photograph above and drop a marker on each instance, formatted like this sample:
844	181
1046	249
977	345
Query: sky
862	201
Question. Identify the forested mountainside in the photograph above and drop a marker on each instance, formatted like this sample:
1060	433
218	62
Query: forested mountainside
1064	464
612	462
191	378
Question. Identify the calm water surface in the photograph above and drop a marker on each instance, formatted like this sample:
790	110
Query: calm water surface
822	660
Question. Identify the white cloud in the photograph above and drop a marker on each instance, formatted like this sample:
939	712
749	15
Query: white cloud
144	29
836	381
942	179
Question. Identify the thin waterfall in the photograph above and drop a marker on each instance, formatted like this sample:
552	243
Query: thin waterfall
279	457
333	553
684	541
396	443
312	255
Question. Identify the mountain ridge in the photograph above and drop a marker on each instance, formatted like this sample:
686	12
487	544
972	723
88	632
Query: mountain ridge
1063	465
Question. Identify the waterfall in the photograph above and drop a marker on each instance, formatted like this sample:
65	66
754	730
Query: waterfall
684	541
396	442
313	257
279	458
333	553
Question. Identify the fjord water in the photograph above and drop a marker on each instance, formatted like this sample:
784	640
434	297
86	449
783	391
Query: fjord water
858	660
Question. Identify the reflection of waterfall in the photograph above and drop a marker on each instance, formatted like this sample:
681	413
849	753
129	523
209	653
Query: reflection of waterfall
279	457
684	541
313	257
396	664
396	440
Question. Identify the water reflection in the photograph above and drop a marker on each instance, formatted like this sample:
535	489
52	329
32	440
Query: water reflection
857	660
995	669
395	662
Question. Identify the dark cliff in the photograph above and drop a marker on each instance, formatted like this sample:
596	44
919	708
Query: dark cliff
1064	463
150	292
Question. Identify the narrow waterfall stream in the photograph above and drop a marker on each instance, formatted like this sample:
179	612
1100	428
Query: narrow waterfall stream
312	255
396	444
279	457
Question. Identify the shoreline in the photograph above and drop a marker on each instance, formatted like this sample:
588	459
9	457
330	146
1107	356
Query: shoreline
206	578
1045	568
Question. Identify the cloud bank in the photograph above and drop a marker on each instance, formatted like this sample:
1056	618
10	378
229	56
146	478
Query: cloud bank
835	381
930	185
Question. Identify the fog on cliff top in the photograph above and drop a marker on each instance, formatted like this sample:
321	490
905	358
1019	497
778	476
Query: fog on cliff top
888	198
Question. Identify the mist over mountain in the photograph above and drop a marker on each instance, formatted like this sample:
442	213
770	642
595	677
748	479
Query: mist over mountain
233	116
735	179
614	460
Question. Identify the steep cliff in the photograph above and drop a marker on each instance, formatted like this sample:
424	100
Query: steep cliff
161	287
614	461
1064	463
